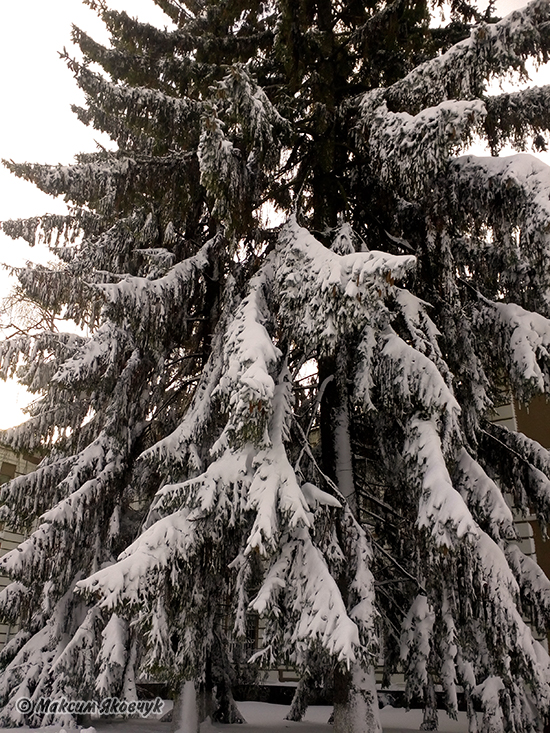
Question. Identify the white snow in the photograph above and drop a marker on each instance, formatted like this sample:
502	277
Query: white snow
315	496
268	718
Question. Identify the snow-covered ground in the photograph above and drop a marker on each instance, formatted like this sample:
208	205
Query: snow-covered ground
267	718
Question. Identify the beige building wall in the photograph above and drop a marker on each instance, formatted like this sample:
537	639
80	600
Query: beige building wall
534	421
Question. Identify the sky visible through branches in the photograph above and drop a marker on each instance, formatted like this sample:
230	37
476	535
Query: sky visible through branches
37	124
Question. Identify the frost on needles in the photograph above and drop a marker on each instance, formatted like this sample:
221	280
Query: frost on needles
299	299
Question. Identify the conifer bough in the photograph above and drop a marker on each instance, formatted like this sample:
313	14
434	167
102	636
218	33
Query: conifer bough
288	420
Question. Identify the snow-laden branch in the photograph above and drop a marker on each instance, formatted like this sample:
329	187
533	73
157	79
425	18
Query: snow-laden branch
530	450
97	356
140	568
181	443
514	117
409	378
55	478
408	152
223	172
275	490
301	573
442	510
142	107
525	337
74	658
483	497
416	644
462	72
91	476
533	583
157	301
481	184
113	655
221	489
259	481
508	627
529	485
325	295
42	352
249	357
248	103
422	330
49	229
31	657
12	600
228	169
100	180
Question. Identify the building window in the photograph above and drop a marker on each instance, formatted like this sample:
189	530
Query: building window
7	472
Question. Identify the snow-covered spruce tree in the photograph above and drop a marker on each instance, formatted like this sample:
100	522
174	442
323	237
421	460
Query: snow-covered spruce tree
289	420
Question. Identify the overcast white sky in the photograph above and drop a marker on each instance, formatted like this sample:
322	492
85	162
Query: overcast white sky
36	123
